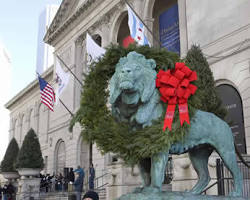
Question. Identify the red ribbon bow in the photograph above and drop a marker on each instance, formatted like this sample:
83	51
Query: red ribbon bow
174	86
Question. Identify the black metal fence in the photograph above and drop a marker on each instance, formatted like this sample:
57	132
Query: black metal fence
225	180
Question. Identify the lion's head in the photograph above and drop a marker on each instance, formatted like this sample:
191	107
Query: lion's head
133	73
132	87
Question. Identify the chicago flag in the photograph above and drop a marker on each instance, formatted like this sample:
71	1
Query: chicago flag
136	28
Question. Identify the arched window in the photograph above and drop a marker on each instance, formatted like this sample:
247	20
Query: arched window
15	131
60	157
23	129
123	33
98	39
32	119
233	103
83	153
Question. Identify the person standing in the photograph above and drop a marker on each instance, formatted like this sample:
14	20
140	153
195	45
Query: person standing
71	180
5	192
81	170
91	176
78	184
60	182
71	175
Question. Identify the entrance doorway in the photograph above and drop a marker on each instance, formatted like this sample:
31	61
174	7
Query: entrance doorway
232	102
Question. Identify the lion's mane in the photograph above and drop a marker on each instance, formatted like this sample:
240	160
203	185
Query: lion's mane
133	95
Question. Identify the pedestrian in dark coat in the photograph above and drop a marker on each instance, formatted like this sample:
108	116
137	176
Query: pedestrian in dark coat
78	185
91	176
71	175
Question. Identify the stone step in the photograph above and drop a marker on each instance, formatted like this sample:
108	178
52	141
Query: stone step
54	196
66	196
153	195
102	194
166	187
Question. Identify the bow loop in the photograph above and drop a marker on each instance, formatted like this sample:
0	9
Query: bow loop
175	87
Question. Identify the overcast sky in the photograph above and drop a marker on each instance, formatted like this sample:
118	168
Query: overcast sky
18	34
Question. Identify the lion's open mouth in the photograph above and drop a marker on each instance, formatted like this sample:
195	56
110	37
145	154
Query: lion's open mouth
126	85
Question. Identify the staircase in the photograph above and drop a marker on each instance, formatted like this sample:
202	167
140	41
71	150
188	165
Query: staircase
67	196
54	196
102	193
100	189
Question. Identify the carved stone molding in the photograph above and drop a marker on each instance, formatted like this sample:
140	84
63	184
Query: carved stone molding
118	8
55	30
80	39
66	55
103	21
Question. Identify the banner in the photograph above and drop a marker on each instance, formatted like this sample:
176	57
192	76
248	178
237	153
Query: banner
169	29
94	51
62	79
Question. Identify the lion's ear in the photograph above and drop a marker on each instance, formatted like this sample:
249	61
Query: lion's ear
114	89
149	86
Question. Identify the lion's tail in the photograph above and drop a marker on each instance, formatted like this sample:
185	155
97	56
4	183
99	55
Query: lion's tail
240	156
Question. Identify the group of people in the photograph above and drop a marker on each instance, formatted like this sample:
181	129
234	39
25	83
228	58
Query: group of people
7	192
72	182
51	183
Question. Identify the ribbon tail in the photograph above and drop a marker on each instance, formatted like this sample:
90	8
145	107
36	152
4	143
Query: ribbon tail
183	113
169	117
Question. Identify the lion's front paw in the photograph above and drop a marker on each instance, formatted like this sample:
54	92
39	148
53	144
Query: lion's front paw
235	194
137	190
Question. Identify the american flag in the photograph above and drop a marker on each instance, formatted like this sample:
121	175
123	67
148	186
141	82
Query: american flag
47	93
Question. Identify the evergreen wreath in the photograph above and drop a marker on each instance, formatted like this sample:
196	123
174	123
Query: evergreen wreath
99	126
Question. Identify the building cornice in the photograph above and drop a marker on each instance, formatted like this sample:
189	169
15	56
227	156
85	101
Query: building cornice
28	88
54	29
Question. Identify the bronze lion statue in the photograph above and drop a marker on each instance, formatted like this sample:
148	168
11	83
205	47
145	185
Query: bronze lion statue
135	99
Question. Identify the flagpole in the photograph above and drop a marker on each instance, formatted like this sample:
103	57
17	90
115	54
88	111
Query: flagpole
66	107
158	41
69	69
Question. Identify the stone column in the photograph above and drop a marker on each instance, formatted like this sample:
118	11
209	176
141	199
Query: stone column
122	180
78	70
183	27
28	187
149	22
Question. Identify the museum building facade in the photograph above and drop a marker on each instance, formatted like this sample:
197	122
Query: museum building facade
216	26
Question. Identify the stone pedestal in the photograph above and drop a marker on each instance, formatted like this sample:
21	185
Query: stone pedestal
12	178
185	177
174	196
28	187
10	175
121	180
